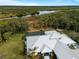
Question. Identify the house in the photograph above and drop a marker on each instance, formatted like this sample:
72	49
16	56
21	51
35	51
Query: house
49	42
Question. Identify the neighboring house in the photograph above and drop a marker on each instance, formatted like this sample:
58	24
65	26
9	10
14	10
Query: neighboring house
51	41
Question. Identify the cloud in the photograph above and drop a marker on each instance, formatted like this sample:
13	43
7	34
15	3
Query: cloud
40	3
14	2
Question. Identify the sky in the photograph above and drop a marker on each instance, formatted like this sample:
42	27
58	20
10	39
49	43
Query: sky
39	2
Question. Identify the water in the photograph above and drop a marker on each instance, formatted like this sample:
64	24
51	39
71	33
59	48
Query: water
46	12
40	13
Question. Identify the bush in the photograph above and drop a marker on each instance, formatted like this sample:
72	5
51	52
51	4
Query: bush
72	46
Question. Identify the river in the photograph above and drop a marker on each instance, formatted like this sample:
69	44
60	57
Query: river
46	12
40	13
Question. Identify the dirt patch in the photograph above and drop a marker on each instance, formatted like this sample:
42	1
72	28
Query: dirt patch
32	24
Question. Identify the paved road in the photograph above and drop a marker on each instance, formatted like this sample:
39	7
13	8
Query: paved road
7	18
15	17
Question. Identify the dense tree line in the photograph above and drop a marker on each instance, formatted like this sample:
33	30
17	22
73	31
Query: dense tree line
63	20
26	10
13	27
17	11
66	20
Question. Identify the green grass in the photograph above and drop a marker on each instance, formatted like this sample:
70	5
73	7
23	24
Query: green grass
5	15
73	34
6	21
12	48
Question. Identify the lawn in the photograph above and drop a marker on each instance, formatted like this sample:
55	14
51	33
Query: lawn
12	48
6	21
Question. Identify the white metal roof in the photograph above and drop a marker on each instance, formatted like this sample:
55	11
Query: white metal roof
44	40
52	40
41	41
47	42
66	40
61	37
63	52
31	40
53	34
45	49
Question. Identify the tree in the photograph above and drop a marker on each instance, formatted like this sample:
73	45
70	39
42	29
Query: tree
19	26
3	30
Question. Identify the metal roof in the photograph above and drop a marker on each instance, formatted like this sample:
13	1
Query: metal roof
46	41
66	40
